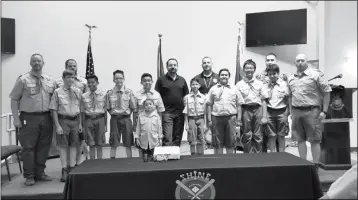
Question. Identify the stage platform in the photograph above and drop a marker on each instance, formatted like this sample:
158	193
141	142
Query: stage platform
53	190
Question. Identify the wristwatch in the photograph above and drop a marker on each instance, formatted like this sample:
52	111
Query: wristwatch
324	112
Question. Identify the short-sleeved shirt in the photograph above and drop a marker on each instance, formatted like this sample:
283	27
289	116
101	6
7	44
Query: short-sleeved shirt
276	93
224	100
206	82
263	77
194	104
66	101
94	103
33	93
79	82
149	130
251	91
172	92
307	90
152	94
120	101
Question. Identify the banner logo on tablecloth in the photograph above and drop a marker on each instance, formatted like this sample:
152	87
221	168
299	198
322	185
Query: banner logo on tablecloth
195	185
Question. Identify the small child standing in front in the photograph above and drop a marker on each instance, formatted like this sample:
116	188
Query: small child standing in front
276	93
195	118
148	133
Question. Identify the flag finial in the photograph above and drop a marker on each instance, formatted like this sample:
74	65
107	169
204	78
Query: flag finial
160	35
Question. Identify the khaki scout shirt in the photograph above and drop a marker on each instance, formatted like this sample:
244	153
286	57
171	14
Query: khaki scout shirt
224	100
66	101
276	94
79	82
194	106
251	91
307	89
152	94
33	93
149	130
120	101
94	103
265	79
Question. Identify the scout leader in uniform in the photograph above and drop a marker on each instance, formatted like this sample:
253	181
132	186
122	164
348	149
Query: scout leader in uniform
207	78
80	83
31	96
224	113
65	106
307	86
254	113
94	116
120	104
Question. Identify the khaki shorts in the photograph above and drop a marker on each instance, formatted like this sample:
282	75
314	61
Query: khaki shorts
196	131
306	125
94	128
70	137
121	125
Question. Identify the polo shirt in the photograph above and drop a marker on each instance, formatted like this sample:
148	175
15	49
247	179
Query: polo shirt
206	82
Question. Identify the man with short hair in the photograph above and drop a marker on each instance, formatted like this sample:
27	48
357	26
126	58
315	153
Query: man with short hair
306	88
31	96
207	78
172	88
80	83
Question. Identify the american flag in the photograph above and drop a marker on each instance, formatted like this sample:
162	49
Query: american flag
160	68
89	63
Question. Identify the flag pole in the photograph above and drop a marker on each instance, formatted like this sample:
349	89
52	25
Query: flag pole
238	75
90	27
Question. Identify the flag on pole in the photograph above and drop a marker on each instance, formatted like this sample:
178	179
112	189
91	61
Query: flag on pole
160	68
89	63
238	53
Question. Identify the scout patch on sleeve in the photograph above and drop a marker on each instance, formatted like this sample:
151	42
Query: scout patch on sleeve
215	80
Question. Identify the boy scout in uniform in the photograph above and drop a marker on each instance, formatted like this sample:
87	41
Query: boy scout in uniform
253	109
80	83
306	89
65	106
276	94
195	118
120	104
31	96
224	109
94	115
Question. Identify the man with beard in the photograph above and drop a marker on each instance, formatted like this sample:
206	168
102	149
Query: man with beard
224	113
253	109
172	89
80	83
307	86
31	96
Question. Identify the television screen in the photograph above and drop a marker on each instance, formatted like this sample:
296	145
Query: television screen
286	27
7	36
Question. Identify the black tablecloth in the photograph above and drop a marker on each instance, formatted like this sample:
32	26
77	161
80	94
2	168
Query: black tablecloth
264	176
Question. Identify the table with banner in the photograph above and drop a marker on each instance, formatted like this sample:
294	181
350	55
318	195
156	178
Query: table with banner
237	176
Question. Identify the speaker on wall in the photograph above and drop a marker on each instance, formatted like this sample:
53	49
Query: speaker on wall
7	36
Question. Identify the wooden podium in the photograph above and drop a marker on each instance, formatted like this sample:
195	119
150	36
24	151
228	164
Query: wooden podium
335	146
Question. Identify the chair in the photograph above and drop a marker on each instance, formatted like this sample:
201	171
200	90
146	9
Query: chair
7	151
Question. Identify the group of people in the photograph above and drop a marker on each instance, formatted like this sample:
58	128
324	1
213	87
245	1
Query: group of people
254	111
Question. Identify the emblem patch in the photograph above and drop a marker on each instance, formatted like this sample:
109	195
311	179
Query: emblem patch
215	80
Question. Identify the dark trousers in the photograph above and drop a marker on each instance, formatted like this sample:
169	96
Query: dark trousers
35	137
173	127
252	137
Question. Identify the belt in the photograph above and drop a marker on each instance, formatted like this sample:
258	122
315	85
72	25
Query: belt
120	116
276	109
305	107
67	117
35	113
94	116
251	106
196	117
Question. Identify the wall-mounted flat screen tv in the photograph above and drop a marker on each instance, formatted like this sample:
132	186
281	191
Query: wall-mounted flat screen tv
288	27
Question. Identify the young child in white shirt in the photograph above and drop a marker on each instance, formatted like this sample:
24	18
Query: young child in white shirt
148	133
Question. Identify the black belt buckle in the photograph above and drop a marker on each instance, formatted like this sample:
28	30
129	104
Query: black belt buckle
69	117
94	116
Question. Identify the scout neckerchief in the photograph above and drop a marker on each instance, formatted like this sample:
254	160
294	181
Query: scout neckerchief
93	94
250	82
271	87
207	83
119	97
222	89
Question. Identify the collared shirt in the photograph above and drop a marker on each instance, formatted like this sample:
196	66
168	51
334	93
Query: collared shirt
66	101
276	93
32	92
79	82
149	130
94	103
152	94
206	82
120	101
307	90
251	91
224	100
263	77
194	104
172	92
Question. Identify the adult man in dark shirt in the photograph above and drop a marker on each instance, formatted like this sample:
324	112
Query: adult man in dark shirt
172	88
207	78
